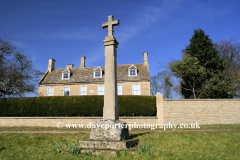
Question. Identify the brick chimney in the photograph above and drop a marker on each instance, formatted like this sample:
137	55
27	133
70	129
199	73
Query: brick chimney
69	65
51	64
82	62
145	58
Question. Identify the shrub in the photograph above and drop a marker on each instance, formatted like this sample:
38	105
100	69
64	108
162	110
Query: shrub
75	106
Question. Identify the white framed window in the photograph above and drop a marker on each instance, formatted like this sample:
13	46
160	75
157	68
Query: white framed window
83	90
100	90
132	72
65	75
97	74
119	89
50	91
136	89
66	91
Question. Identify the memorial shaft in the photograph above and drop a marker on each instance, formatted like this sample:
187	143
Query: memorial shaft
110	109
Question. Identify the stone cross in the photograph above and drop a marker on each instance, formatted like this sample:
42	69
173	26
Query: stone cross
112	133
110	109
110	24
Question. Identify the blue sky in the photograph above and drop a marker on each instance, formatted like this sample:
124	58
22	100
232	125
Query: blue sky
66	30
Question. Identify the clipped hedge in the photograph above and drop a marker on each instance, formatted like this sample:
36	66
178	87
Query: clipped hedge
75	106
137	105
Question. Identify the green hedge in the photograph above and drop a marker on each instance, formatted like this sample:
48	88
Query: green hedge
137	105
75	106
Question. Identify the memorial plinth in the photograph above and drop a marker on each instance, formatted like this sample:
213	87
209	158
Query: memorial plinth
109	130
109	133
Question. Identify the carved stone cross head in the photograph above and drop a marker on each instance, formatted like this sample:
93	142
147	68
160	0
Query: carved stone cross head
110	24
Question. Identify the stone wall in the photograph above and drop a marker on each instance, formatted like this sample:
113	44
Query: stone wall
202	111
62	121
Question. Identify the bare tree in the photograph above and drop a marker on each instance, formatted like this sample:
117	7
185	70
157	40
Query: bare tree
18	75
229	51
167	87
155	85
164	83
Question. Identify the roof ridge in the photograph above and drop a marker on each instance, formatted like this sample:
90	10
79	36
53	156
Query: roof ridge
102	66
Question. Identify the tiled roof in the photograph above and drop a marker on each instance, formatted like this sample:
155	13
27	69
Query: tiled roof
86	75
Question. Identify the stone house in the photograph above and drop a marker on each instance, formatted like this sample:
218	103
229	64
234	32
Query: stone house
132	79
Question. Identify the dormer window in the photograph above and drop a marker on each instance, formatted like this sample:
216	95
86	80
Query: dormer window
98	72
132	71
66	74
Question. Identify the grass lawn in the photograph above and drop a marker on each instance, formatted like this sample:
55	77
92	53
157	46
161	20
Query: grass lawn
219	127
222	143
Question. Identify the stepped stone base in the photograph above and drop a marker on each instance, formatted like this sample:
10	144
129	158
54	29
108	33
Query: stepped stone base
103	145
107	136
110	130
105	151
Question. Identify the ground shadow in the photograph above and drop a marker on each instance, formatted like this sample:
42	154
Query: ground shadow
132	136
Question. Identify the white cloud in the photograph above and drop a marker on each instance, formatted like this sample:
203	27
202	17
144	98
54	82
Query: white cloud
19	45
96	54
137	22
71	32
147	16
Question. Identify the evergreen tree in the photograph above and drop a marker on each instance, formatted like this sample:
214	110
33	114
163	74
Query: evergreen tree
200	69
